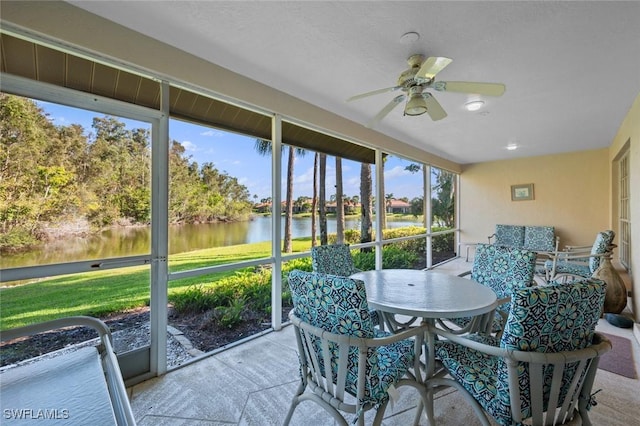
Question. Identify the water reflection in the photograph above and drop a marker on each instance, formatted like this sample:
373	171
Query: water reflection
182	238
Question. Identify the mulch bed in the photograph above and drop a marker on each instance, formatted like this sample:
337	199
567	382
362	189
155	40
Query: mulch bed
203	333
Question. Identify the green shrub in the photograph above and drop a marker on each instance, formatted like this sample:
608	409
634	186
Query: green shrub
230	316
198	298
303	264
442	243
392	258
230	296
17	239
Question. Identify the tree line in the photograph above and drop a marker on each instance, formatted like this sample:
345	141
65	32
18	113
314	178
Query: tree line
52	175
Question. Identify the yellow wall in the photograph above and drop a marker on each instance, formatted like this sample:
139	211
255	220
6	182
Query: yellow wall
575	192
571	192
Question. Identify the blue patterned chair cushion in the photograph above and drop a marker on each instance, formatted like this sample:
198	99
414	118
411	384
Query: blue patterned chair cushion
339	305
503	269
601	245
550	318
540	238
571	268
510	235
334	259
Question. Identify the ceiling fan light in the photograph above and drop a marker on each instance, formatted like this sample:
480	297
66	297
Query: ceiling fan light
415	105
473	105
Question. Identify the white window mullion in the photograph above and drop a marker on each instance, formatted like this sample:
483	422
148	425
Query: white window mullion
276	225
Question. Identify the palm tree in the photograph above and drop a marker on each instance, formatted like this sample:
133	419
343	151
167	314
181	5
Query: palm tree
339	203
388	198
314	202
322	200
365	204
383	209
263	147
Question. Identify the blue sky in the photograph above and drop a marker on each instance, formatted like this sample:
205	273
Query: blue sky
236	155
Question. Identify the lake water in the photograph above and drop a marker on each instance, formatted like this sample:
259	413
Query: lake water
182	238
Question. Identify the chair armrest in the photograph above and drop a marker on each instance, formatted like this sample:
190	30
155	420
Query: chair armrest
600	345
27	330
577	248
417	331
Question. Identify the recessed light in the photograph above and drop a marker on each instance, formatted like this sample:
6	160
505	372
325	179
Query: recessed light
512	146
473	105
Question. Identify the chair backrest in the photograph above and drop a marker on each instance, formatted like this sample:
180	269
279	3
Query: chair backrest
548	319
337	305
503	269
540	238
334	259
509	235
601	245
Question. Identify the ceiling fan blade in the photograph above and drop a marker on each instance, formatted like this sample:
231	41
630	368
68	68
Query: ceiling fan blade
386	110
374	92
432	66
488	89
434	109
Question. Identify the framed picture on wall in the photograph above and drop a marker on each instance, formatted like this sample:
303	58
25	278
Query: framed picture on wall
522	192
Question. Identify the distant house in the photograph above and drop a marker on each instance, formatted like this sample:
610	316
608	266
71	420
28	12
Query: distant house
262	208
398	206
349	207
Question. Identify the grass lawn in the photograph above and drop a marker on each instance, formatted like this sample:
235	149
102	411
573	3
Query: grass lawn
103	292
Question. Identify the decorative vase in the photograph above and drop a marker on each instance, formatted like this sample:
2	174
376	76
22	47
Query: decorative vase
615	298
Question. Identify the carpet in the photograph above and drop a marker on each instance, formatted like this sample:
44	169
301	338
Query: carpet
619	359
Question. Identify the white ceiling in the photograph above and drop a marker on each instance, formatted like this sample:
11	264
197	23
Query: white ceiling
572	69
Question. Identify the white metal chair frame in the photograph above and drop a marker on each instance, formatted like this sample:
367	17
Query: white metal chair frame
578	255
112	374
332	395
575	408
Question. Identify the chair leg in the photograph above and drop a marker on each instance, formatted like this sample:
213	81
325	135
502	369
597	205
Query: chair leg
294	403
377	420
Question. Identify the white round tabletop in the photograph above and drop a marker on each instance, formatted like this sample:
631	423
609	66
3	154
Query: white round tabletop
425	294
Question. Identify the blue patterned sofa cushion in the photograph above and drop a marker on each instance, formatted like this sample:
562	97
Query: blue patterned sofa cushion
540	238
541	319
509	235
339	305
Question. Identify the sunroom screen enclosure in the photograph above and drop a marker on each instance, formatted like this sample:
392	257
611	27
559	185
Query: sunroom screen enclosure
44	70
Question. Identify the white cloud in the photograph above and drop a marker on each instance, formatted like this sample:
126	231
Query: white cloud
189	146
213	133
397	171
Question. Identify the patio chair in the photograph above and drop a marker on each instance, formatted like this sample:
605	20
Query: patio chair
346	365
544	365
335	259
504	270
578	262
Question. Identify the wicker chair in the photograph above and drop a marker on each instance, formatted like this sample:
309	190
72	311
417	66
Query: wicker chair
544	365
346	365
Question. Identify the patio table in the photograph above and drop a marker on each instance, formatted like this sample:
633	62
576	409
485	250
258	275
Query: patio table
431	296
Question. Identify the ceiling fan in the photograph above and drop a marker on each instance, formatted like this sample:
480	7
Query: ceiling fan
417	79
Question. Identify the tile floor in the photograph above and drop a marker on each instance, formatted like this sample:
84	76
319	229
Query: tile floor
253	383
